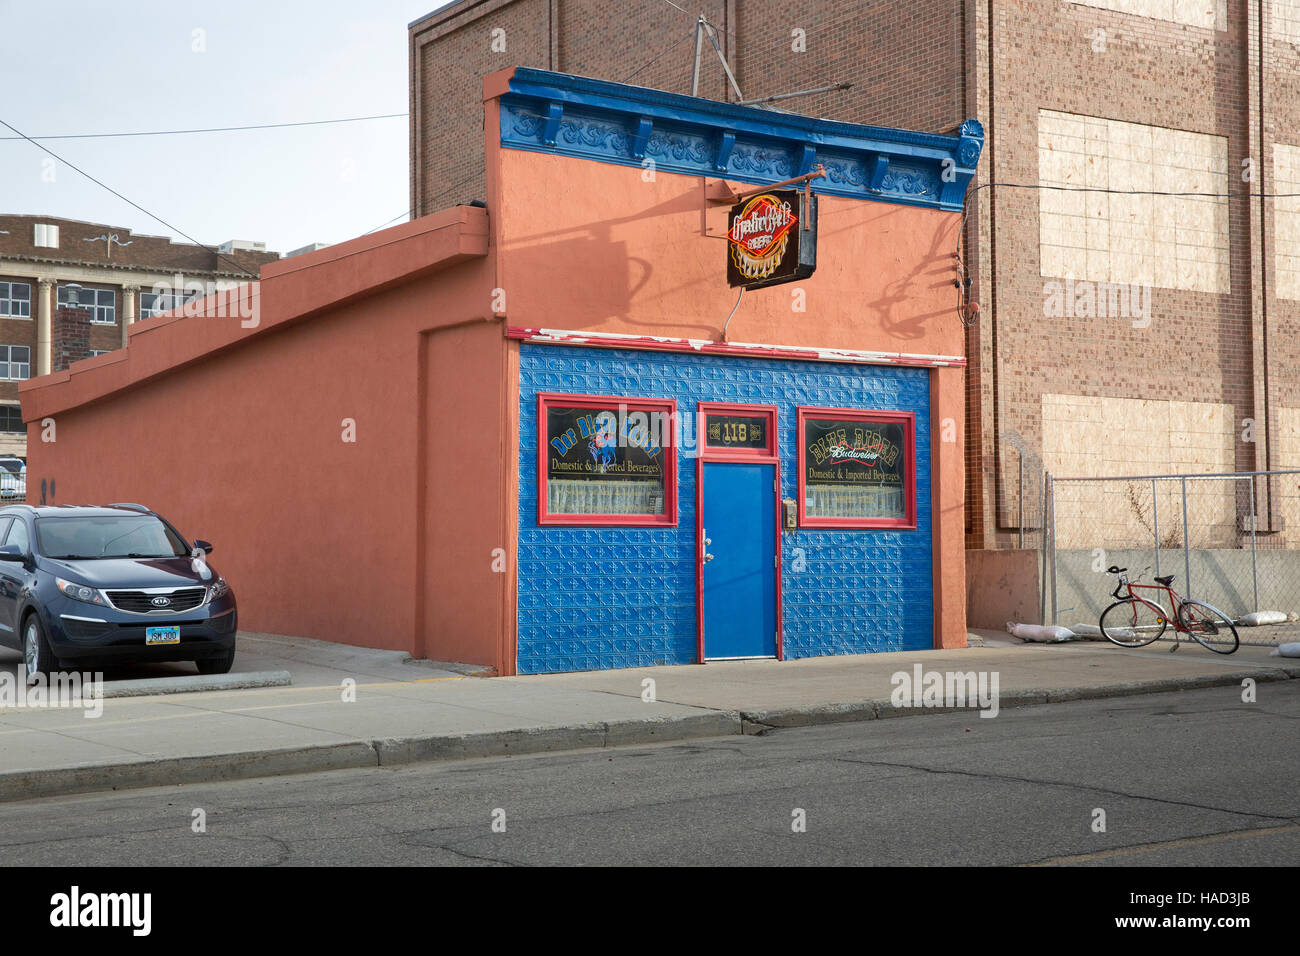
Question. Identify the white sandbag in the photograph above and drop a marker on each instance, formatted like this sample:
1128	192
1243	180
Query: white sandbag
1260	618
1037	632
1286	650
1087	630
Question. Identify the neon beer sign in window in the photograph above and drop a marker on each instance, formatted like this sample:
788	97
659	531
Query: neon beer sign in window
856	469
605	461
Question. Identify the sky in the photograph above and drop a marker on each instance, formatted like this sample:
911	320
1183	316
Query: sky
79	66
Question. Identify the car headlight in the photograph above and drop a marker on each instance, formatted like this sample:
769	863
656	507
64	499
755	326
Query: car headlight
79	592
219	588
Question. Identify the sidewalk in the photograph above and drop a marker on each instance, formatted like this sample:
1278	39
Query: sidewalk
408	711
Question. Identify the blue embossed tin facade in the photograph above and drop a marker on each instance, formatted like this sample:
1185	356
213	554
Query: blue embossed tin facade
608	596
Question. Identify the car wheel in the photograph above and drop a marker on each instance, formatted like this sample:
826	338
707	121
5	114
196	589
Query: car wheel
37	656
217	665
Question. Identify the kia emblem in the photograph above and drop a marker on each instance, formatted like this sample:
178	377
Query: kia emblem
161	601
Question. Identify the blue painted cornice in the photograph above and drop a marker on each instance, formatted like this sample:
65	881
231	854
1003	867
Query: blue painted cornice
614	123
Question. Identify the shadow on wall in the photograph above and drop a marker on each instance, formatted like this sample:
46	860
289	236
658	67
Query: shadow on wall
933	272
611	276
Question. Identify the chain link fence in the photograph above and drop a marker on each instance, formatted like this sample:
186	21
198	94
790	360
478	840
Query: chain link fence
1232	540
1023	466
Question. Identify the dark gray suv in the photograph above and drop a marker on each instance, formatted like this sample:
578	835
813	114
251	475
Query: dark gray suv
84	586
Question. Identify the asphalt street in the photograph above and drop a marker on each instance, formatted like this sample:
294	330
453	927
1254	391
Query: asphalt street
1184	779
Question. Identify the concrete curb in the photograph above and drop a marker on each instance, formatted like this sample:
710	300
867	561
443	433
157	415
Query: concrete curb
393	751
191	683
397	751
168	771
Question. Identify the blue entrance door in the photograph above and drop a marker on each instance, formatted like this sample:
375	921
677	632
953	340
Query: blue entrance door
739	520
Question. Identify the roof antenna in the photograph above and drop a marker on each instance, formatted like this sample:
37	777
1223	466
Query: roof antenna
701	27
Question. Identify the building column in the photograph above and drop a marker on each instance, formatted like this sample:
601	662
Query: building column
44	292
130	298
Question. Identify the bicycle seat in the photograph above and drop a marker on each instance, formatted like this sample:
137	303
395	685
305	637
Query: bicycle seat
1167	580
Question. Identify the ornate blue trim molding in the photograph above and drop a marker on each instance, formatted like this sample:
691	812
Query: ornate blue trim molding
632	126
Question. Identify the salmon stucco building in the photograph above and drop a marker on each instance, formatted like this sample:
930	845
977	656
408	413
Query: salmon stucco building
583	423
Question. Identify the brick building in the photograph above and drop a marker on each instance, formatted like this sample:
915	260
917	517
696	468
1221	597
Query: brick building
1119	330
117	279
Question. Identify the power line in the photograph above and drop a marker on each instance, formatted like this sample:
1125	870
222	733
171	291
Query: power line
1227	194
388	223
700	16
212	129
675	7
104	185
432	199
659	56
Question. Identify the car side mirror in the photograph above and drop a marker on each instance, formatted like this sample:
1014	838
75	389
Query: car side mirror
200	545
11	552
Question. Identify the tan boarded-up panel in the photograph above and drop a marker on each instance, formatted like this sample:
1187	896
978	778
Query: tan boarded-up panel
1094	436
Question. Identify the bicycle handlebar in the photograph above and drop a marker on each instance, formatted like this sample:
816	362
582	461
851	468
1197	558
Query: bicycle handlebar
1122	580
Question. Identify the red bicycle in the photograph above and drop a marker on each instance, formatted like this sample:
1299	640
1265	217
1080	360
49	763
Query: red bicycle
1135	621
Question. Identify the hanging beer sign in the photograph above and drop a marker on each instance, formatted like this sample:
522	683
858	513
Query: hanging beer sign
771	238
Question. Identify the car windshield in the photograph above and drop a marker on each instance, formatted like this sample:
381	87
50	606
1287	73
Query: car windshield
108	536
11	465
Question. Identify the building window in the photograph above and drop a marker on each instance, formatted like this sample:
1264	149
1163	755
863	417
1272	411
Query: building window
603	460
16	300
15	362
156	303
94	352
857	469
11	419
46	236
100	303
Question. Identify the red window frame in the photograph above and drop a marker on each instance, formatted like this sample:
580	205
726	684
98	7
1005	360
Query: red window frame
608	402
721	409
907	420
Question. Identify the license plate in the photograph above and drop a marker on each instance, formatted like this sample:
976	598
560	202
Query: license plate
162	635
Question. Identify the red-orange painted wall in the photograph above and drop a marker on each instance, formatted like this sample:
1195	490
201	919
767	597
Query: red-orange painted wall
589	245
319	537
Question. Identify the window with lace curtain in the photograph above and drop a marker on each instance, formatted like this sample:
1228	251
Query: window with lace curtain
856	468
605	460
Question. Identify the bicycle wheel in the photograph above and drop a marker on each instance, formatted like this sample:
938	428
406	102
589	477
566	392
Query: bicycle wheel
1132	623
1209	626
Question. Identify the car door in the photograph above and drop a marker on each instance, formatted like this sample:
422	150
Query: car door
12	575
15	577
